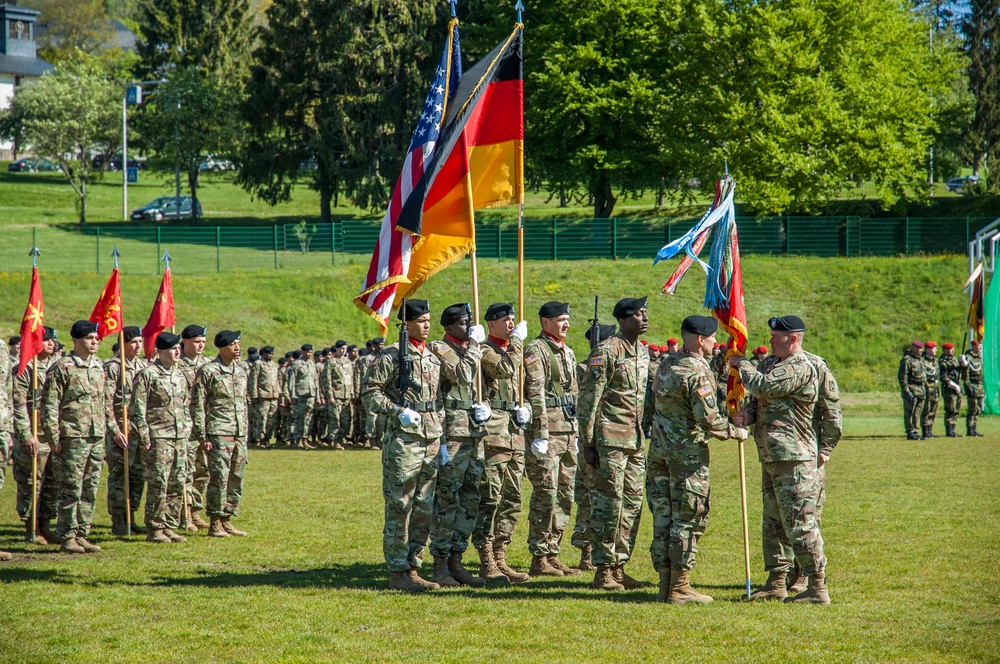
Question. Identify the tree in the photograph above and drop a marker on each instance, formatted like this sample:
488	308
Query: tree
66	115
982	33
71	25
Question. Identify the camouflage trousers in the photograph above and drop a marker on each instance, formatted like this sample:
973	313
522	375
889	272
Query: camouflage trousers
303	416
929	411
226	462
359	416
456	497
45	480
552	479
262	429
375	424
409	468
616	497
499	495
678	489
975	409
338	417
196	475
912	409
114	456
582	486
952	407
78	472
320	425
163	463
790	528
283	428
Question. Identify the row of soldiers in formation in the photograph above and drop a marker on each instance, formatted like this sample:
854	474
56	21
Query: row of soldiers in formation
462	430
922	375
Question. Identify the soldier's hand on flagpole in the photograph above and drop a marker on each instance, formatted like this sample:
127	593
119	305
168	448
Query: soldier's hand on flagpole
31	445
521	330
740	418
121	441
740	434
735	360
207	446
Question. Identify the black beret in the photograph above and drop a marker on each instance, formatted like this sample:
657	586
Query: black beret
629	306
114	348
251	350
787	324
306	347
193	331
296	354
226	337
82	328
554	309
455	313
364	352
369	343
324	351
413	309
132	332
14	340
50	333
704	326
267	349
378	340
167	340
499	310
607	331
352	347
253	357
340	343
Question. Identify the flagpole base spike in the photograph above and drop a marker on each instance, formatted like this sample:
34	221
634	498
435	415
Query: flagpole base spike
748	588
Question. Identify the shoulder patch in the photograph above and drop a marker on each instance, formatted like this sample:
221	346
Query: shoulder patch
704	390
778	373
531	359
596	361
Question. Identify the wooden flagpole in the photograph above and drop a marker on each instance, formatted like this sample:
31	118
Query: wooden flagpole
34	457
128	503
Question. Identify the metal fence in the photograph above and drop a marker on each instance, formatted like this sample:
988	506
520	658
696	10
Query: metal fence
196	249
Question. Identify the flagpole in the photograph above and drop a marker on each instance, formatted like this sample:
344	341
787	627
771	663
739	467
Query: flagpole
121	354
34	457
184	520
519	8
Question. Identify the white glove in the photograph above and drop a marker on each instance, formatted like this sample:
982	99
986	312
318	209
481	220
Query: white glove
740	434
477	333
540	447
954	386
482	412
522	415
962	361
521	330
409	418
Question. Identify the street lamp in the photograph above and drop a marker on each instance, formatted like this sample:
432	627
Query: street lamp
133	95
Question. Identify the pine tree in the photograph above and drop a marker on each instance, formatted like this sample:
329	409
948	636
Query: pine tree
982	33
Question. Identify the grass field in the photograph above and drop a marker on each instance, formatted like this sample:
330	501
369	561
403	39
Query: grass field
911	533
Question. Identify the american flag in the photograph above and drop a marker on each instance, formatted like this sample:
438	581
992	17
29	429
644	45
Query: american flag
391	258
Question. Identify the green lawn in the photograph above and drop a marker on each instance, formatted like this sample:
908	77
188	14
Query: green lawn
911	577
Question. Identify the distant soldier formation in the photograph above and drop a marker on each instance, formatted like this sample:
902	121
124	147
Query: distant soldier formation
925	379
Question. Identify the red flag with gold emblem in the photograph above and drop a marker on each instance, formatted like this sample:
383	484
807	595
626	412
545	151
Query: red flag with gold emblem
33	324
161	317
107	312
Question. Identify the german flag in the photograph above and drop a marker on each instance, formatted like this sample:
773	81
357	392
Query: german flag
477	164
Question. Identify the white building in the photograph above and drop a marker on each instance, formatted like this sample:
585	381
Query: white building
18	61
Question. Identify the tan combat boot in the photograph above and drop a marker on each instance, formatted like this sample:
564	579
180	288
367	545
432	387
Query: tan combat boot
586	564
136	528
37	540
70	546
816	593
772	590
488	570
796	580
172	536
460	574
441	575
627	581
665	583
500	555
87	546
604	579
46	531
401	581
118	526
228	526
681	591
157	535
196	520
215	528
540	566
424	583
561	566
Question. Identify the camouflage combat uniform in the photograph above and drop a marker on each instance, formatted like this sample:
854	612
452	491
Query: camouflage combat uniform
677	482
46	467
160	413
912	383
975	391
77	412
550	391
8	366
114	456
611	420
220	416
337	387
782	407
305	383
264	390
950	373
828	425
929	412
358	409
286	403
196	464
375	423
582	486
456	491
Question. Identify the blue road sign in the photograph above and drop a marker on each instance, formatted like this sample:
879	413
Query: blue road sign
133	95
133	174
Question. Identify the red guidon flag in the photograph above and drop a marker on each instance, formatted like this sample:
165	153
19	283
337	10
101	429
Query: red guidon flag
33	324
107	312
478	164
161	317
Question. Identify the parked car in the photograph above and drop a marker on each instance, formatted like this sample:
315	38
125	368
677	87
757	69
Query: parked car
215	163
958	184
22	166
165	207
115	163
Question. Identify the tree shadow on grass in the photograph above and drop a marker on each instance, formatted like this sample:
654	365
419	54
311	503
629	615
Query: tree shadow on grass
16	574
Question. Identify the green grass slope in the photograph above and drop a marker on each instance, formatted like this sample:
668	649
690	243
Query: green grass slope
860	311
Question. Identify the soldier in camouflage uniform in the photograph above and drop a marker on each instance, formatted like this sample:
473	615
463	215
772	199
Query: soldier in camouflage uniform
220	423
611	414
160	412
264	390
550	388
338	385
27	445
584	482
6	391
305	383
320	429
287	398
77	411
913	384
972	377
500	488
196	466
784	391
353	405
412	444
932	375
114	454
686	417
360	412
759	353
950	374
375	423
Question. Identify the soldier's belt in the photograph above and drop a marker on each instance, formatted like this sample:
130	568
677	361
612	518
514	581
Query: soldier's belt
567	400
426	406
500	404
458	404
